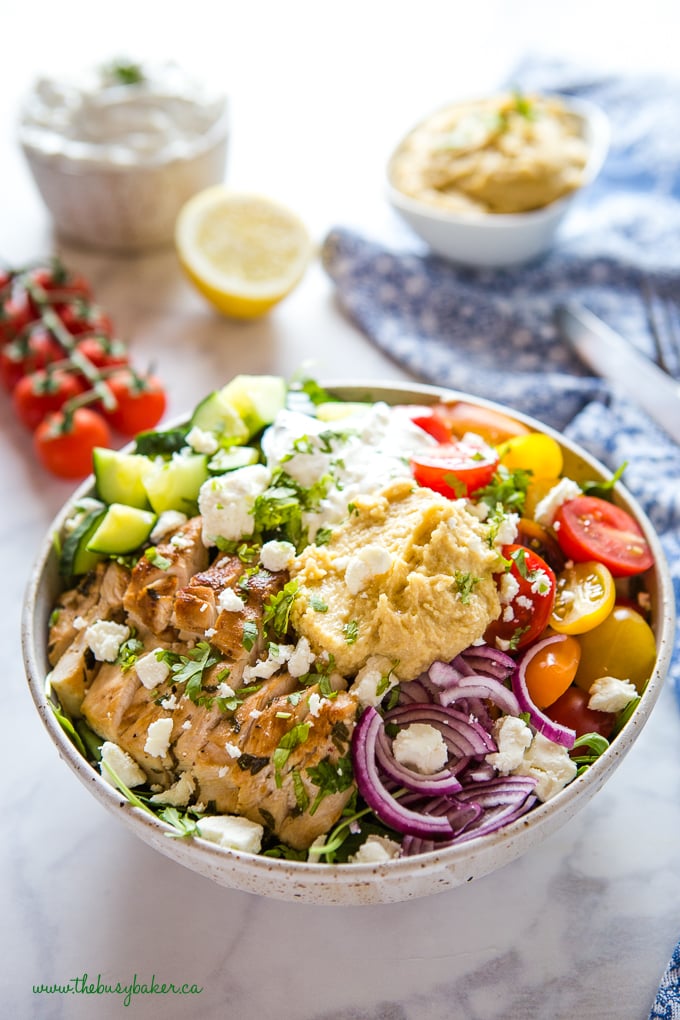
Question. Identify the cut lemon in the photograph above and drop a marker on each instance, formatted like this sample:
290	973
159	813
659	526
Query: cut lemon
243	252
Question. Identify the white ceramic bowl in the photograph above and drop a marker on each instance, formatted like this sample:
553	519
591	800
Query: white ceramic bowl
402	878
498	239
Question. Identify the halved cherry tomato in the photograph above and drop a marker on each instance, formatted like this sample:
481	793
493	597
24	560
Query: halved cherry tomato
456	469
37	395
585	597
622	646
493	426
140	402
590	528
103	352
526	613
541	541
552	668
64	446
429	421
571	709
28	354
536	452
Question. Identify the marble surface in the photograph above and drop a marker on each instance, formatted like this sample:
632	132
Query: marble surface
581	926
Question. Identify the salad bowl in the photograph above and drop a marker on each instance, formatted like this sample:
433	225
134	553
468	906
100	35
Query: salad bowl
403	877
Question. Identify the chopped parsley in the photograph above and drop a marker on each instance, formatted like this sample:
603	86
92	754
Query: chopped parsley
250	635
507	488
351	632
465	584
189	669
128	653
277	609
330	777
288	742
301	795
318	604
157	559
323	536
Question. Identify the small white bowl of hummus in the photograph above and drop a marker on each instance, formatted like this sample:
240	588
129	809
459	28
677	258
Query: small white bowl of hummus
116	151
488	182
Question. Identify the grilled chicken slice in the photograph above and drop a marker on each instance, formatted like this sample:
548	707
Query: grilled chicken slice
99	596
149	600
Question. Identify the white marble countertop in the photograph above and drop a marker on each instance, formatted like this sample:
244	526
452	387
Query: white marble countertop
581	926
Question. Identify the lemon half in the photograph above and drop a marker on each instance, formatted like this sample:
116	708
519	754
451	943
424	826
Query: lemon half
243	252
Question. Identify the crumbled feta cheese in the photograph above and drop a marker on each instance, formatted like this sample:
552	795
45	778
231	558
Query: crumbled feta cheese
233	750
167	521
421	747
232	831
609	694
507	530
549	764
125	767
255	713
180	541
150	670
508	588
229	601
369	562
540	582
508	614
374	681
277	556
546	508
512	736
376	850
224	690
158	738
209	632
186	725
79	623
314	703
301	659
523	602
221	772
170	703
226	502
179	794
201	441
104	638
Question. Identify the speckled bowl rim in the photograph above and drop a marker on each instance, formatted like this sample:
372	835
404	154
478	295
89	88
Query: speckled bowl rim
403	878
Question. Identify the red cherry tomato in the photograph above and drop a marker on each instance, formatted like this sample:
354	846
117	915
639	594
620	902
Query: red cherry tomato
16	313
29	354
56	280
589	528
429	421
65	448
526	610
140	402
493	426
80	317
5	280
456	469
42	393
103	352
571	709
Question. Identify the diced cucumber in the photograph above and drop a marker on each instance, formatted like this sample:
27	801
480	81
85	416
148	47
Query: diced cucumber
234	457
257	398
218	415
335	410
75	558
155	441
119	477
121	530
174	484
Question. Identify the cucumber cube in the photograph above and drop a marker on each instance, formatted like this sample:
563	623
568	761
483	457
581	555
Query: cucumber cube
119	477
122	530
174	484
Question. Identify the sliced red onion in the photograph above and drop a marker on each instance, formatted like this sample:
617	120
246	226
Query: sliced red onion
553	731
463	735
481	687
445	674
378	798
438	783
413	691
488	661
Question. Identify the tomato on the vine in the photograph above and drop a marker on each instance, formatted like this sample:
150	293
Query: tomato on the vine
32	352
101	351
455	469
64	443
37	395
56	280
16	313
81	317
140	401
527	596
590	528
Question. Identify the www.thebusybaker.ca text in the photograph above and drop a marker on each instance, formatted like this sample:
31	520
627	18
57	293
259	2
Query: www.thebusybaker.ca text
84	986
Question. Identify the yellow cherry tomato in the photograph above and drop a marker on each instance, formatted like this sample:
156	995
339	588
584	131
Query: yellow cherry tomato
585	597
550	671
622	646
540	454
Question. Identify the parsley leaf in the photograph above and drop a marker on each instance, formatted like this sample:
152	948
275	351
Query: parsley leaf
157	559
288	742
250	635
277	609
351	632
330	777
465	584
128	653
509	488
318	604
189	669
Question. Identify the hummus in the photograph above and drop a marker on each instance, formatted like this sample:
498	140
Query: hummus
506	154
408	575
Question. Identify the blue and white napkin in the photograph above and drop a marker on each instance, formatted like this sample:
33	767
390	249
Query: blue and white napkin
492	333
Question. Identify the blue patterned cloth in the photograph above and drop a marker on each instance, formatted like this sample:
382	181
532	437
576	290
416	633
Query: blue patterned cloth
492	332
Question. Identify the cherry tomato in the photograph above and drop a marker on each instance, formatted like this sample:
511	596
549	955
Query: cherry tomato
16	313
65	449
585	597
622	646
551	669
37	395
541	541
28	354
56	280
590	528
571	709
456	469
5	280
102	351
536	452
141	402
81	317
525	614
493	426
427	419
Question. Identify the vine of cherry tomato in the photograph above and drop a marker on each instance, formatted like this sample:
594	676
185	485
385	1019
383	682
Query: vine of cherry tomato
70	379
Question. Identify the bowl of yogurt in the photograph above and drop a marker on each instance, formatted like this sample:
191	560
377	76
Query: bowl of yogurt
117	151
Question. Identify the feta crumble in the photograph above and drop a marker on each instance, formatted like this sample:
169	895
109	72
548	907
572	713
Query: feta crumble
421	747
201	441
232	831
374	681
177	795
233	750
369	562
301	658
151	671
125	767
226	502
376	850
513	737
229	601
609	694
167	521
276	556
104	638
549	764
158	738
547	507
